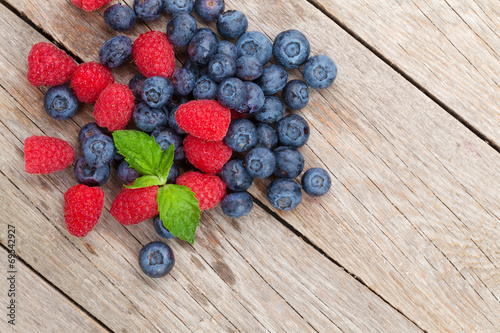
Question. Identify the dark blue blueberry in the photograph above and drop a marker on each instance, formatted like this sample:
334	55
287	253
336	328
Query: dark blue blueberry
119	17
273	79
208	31
87	131
172	123
255	43
220	67
235	176
232	93
115	51
316	182
291	49
241	135
126	173
319	72
157	91
160	228
147	119
232	24
156	259
173	174
90	176
295	94
284	194
196	69
118	157
272	110
135	84
266	136
202	47
237	204
181	28
60	103
165	137
173	7
205	88
227	48
98	150
183	81
209	9
260	162
248	68
149	10
255	99
293	131
289	162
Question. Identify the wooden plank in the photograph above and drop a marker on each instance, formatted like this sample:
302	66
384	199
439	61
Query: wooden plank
221	284
451	48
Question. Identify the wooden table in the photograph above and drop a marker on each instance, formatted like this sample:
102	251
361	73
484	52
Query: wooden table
406	240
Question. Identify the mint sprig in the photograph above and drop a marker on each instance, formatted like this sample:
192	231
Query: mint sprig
178	207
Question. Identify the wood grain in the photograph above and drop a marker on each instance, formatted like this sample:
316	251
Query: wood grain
451	48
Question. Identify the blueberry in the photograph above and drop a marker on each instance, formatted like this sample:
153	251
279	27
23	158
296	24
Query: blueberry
273	79
227	48
295	94
255	99
202	47
147	119
156	91
156	259
319	72
255	43
160	228
119	17
272	110
173	7
208	31
209	10
115	51
289	162
232	93
98	150
149	10
60	103
183	81
126	173
90	176
87	131
118	157
181	28
205	88
196	69
284	194
173	174
220	67
260	162
291	49
241	135
235	176
237	204
266	136
135	84
293	131
172	123
232	24
316	182
248	68
165	137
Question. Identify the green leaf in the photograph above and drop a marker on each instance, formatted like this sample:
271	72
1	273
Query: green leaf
167	159
146	181
179	211
140	151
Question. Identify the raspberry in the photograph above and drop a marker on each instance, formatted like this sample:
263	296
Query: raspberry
44	154
49	66
132	206
90	5
89	80
208	156
153	54
114	107
204	119
82	209
209	190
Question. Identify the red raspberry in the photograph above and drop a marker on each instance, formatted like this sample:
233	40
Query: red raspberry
90	5
153	54
209	189
114	107
82	209
208	156
132	206
89	80
49	66
205	119
44	154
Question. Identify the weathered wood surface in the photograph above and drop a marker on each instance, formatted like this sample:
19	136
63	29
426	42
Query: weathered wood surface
413	210
450	47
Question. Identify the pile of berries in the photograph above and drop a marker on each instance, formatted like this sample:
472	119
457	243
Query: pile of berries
224	112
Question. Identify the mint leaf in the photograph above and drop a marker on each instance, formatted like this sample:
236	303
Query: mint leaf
146	181
167	159
140	151
179	211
